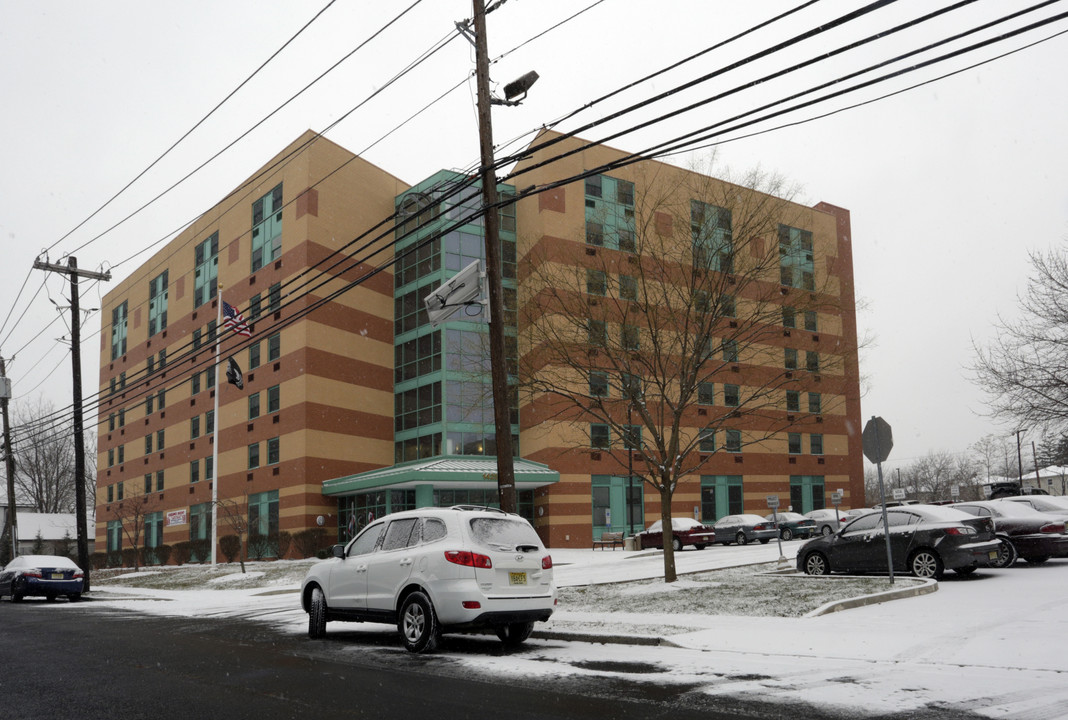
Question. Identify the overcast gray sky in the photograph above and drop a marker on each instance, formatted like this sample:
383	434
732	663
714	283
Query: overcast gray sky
950	184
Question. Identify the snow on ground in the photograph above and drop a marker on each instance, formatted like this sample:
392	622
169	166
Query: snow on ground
992	644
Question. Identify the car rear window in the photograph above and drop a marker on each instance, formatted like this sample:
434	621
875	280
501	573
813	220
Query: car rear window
504	533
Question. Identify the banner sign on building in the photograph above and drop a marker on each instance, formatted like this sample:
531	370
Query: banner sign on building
176	517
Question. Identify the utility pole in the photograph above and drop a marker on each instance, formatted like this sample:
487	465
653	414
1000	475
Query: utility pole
491	220
79	436
9	459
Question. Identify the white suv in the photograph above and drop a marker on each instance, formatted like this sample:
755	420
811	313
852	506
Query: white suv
436	569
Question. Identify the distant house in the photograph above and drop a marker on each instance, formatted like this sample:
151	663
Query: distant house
52	527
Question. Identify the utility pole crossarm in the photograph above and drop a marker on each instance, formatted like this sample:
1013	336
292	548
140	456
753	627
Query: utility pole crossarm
72	270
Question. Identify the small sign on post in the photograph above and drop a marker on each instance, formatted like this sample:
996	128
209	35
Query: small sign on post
836	499
899	493
877	441
954	492
773	502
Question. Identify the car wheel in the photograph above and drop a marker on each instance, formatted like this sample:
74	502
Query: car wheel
826	530
925	563
965	571
786	534
418	624
74	597
1006	554
50	597
514	634
764	541
317	614
700	546
1037	560
816	564
741	539
676	544
18	589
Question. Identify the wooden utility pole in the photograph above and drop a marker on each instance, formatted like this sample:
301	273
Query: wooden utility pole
9	459
491	220
79	436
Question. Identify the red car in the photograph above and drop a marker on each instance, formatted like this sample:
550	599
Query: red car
685	531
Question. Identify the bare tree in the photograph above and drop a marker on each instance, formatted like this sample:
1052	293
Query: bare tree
234	514
131	513
1024	372
621	345
44	457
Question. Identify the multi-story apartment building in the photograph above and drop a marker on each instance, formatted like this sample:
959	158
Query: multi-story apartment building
360	407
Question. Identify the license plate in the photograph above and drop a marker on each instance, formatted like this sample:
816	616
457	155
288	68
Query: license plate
57	576
517	578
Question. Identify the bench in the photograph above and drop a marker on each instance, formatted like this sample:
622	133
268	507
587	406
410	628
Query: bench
610	539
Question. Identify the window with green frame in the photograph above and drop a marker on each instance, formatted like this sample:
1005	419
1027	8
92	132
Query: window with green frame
263	513
796	264
790	358
793	401
267	228
793	442
596	282
598	383
733	441
706	393
114	536
157	304
118	330
600	436
206	270
713	246
816	443
815	403
707	440
732	395
721	495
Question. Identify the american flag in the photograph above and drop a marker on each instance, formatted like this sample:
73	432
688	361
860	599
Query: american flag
233	320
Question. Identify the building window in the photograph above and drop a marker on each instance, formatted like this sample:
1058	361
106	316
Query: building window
161	398
122	417
422	405
274	394
159	481
274	297
209	467
733	441
711	233
118	331
274	347
593	186
148	404
272	451
796	264
789	317
253	406
111	422
160	443
814	403
630	386
255	304
816	444
630	337
812	361
148	444
157	304
209	422
194	384
253	456
721	495
267	228
793	441
150	365
597	333
122	454
594	233
263	515
197	339
707	440
194	471
811	321
790	358
148	483
628	287
793	401
206	273
111	493
253	356
731	395
596	282
624	192
598	383
730	350
600	436
706	393
111	457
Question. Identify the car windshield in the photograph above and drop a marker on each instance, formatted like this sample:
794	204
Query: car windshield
684	523
504	533
1011	509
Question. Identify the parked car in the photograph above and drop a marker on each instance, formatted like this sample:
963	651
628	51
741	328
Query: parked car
791	525
684	531
743	528
1049	504
828	520
435	570
924	540
47	576
1023	531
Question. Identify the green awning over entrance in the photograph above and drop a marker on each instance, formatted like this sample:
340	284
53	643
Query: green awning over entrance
457	471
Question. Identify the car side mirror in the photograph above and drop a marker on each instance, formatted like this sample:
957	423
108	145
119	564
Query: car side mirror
339	551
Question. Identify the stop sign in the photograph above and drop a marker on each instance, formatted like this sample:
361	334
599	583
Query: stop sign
878	440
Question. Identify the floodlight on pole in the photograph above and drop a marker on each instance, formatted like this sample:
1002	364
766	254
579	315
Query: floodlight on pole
516	89
461	290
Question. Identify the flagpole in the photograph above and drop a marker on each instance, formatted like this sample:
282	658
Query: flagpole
215	430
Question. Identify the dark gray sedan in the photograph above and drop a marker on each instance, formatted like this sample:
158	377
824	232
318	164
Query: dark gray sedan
925	540
742	529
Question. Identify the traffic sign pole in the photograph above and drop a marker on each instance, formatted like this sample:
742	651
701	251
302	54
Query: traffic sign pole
878	442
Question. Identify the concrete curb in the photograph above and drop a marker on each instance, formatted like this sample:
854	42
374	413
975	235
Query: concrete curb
928	586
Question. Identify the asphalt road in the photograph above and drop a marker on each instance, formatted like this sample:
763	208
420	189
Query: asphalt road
75	661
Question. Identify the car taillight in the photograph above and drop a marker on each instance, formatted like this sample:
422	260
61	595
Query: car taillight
1052	528
468	559
32	572
760	527
78	574
964	530
547	562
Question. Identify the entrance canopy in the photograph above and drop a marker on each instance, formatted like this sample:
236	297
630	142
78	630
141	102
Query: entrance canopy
454	471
